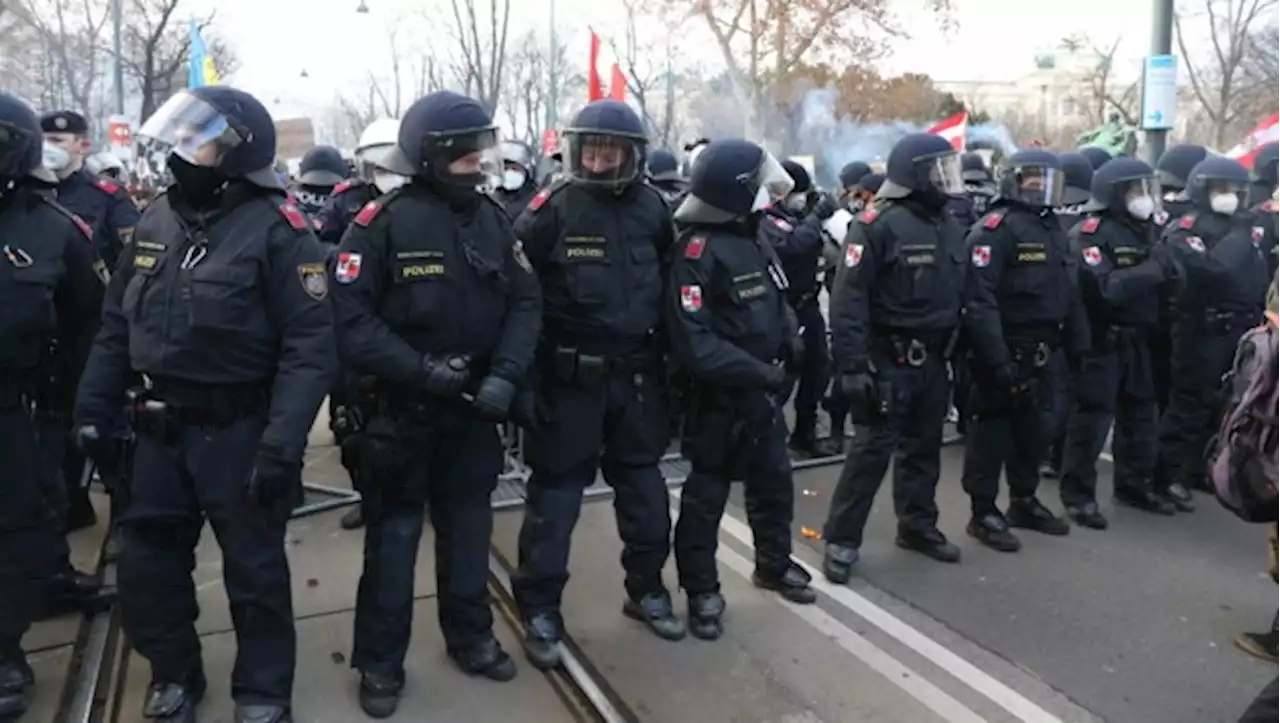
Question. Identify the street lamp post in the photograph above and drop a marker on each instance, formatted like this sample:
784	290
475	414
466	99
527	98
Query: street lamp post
1161	44
553	97
117	23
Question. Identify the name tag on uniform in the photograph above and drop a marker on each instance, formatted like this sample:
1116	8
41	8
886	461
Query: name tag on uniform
419	264
917	254
1127	255
586	248
144	261
748	286
1032	254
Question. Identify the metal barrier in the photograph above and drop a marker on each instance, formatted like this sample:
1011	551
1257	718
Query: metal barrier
335	497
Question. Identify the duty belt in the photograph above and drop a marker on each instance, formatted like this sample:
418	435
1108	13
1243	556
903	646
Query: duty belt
911	350
1036	352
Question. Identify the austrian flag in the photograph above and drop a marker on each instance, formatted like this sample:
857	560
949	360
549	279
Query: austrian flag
691	298
980	256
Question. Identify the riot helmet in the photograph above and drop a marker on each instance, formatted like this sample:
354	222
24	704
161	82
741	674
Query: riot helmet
377	140
1078	175
924	167
104	163
1218	185
1096	156
21	148
662	166
225	132
851	173
322	166
604	145
1126	186
449	141
731	180
797	199
1175	164
973	170
1032	177
518	162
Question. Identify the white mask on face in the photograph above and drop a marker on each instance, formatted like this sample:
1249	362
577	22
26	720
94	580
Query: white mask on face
387	182
55	158
1141	207
512	180
1224	203
795	202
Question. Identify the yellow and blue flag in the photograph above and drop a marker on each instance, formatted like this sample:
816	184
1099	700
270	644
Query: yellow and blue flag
200	68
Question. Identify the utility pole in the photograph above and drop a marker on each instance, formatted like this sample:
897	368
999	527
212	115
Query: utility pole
117	23
553	96
1161	44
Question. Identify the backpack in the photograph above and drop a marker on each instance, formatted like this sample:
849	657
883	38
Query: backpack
1242	456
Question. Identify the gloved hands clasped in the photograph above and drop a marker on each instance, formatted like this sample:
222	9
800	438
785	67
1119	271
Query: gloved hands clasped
493	399
445	376
102	451
276	476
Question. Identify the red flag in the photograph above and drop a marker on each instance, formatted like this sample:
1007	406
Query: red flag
594	91
617	84
1266	132
952	129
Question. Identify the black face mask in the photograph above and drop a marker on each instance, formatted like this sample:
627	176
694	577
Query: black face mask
197	184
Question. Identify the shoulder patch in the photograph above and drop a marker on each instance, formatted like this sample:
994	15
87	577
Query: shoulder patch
313	278
1259	233
1092	255
347	269
1161	218
342	187
539	199
1090	225
294	216
783	224
853	255
368	213
695	247
1187	221
980	256
1271	206
992	221
84	227
1195	243
868	215
110	187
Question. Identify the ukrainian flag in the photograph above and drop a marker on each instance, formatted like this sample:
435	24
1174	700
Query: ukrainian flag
200	68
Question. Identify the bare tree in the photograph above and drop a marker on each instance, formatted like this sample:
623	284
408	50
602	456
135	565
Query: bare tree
1220	81
69	33
482	54
1106	95
525	94
761	41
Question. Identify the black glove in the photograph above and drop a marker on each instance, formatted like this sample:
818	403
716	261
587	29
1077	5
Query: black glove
445	376
860	388
1019	388
275	476
824	206
100	450
1163	255
493	398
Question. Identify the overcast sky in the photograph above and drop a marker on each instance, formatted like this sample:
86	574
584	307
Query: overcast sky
276	39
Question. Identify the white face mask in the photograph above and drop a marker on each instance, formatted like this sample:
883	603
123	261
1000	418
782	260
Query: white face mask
55	158
1224	203
387	182
1141	207
796	202
512	180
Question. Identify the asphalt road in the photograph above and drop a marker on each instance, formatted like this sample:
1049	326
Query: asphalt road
1133	623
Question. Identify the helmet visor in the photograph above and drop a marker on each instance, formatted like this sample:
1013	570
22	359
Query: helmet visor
1132	188
1035	185
467	158
772	182
945	173
192	129
602	159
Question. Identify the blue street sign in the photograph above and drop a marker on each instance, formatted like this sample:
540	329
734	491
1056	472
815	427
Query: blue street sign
1159	92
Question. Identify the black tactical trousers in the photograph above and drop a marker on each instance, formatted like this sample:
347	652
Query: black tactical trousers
52	431
617	427
1201	355
814	367
1061	405
1113	382
193	474
25	537
912	437
1005	434
764	467
450	465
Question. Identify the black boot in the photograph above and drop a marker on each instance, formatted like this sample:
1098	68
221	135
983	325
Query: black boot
992	530
706	615
931	543
792	585
72	592
380	694
16	681
1178	496
80	512
543	633
838	562
1030	513
1142	497
354	519
655	611
174	702
487	659
262	713
1086	514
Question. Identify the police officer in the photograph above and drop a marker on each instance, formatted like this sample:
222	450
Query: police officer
691	151
1078	176
448	323
663	172
50	284
373	180
105	164
1096	156
597	242
321	170
979	186
106	207
222	303
1223	297
793	227
517	184
850	174
895	310
1262	200
1022	304
727	319
1122	267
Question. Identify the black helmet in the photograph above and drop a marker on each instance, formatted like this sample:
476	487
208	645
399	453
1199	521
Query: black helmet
800	177
217	123
322	166
20	147
1266	164
852	173
923	165
731	179
1097	156
439	129
1175	164
1217	177
1033	177
973	169
1078	173
1122	180
662	165
605	144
